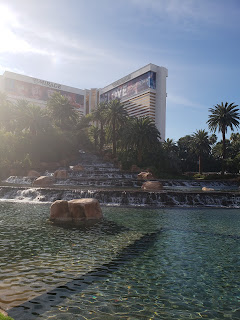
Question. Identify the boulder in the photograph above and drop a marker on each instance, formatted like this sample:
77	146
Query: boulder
207	189
75	210
145	176
60	211
60	174
78	167
85	209
152	186
33	174
43	181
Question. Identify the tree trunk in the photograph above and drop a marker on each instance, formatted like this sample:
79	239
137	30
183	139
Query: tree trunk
223	151
200	164
101	138
139	156
114	140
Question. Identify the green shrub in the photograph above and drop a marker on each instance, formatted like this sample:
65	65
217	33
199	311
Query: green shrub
2	317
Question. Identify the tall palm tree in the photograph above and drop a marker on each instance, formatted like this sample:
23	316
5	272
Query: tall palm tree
61	111
223	116
115	117
31	117
142	135
170	146
99	115
201	146
94	134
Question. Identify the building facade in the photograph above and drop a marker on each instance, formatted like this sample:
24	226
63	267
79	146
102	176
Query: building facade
142	93
37	91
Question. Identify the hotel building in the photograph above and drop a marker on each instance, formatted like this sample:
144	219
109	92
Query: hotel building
142	93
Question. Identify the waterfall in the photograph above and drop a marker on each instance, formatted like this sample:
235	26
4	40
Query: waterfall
98	174
125	198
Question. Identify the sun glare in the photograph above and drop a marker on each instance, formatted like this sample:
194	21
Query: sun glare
9	40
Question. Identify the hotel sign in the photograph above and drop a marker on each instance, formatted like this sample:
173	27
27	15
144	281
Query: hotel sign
131	87
47	83
41	90
118	82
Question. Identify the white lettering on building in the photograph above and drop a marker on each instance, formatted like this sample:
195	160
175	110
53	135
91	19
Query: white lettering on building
47	83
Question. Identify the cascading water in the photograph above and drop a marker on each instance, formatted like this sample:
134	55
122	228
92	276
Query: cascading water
125	198
107	183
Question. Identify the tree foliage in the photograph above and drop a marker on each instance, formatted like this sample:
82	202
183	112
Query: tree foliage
223	116
142	136
61	111
30	135
116	116
201	146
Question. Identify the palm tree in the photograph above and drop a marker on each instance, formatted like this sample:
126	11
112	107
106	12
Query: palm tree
61	111
6	112
223	116
142	135
115	117
99	115
201	146
94	134
170	146
31	117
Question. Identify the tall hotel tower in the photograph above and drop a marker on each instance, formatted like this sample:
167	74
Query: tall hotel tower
143	94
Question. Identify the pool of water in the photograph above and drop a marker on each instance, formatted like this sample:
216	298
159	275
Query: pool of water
135	264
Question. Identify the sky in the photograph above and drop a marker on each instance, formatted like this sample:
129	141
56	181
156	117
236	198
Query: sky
92	43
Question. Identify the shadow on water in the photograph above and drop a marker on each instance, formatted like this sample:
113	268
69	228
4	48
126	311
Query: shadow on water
102	226
41	304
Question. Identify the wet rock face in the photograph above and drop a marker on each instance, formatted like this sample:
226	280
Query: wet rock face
78	167
33	174
207	189
145	176
75	210
152	186
60	174
43	181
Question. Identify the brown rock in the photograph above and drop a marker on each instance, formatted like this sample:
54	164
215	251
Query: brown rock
75	210
145	176
87	208
43	181
60	174
78	167
33	174
60	211
152	186
207	189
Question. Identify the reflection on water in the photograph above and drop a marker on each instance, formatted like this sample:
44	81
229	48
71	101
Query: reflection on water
190	269
36	256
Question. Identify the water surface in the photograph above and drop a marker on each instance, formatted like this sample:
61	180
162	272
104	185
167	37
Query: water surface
135	264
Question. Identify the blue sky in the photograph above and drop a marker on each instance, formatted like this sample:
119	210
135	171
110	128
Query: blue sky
91	43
